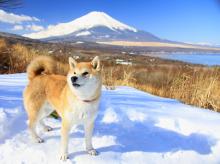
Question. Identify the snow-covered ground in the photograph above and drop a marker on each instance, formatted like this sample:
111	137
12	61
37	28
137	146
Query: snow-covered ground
132	127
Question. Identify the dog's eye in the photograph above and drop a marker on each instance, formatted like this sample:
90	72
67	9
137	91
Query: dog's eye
74	72
85	73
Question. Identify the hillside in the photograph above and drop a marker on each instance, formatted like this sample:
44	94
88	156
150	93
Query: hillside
119	47
132	127
14	38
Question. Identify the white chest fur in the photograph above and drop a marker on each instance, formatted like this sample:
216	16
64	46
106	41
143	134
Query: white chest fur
82	112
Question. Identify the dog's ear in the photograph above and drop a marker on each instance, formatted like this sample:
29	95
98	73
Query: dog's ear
96	63
72	62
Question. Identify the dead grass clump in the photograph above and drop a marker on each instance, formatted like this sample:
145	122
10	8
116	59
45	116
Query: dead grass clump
4	56
20	57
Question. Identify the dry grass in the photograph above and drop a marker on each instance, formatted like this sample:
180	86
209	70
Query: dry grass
199	86
4	53
14	58
195	86
20	56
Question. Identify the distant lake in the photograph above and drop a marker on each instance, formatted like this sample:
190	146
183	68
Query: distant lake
206	59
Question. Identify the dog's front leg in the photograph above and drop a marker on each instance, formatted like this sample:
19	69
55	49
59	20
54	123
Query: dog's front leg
65	128
89	126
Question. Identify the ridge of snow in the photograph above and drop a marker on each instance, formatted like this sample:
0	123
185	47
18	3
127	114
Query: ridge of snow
90	20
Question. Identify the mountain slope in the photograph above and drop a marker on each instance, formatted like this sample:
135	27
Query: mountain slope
14	38
132	127
102	33
94	26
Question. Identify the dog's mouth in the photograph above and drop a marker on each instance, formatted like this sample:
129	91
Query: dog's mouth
76	85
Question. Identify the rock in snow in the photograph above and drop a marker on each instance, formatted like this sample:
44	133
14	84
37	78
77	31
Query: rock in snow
132	127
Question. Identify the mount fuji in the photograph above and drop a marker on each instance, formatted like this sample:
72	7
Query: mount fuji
94	26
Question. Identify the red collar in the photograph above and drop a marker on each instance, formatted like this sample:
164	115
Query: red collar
88	101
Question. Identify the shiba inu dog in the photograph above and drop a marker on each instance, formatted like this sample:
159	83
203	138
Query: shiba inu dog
75	97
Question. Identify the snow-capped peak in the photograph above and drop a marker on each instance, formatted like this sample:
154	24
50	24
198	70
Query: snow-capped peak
90	20
95	18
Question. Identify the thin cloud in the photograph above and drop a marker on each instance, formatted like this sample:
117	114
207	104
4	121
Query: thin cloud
11	18
34	27
17	28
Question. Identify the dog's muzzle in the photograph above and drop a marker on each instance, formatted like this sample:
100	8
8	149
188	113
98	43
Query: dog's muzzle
73	80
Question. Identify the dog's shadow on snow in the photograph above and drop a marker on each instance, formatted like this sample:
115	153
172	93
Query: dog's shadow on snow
149	138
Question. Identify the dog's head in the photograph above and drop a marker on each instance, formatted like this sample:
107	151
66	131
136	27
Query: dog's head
84	76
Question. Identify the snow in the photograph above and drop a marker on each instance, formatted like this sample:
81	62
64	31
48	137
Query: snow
90	20
79	42
121	61
83	33
132	127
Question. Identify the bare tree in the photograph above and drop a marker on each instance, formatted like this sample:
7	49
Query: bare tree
10	4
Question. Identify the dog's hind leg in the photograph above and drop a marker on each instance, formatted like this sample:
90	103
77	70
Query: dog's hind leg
33	109
45	111
32	127
37	116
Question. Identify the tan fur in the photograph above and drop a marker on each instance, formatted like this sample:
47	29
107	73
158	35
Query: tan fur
57	90
45	65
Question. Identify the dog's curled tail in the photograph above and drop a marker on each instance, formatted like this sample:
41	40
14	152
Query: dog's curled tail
40	66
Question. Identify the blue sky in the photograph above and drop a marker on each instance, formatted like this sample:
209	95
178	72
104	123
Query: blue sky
196	21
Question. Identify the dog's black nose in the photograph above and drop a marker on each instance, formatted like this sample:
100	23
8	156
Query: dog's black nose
74	78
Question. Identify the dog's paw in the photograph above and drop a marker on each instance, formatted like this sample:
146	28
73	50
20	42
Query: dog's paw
92	152
64	157
39	140
48	128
